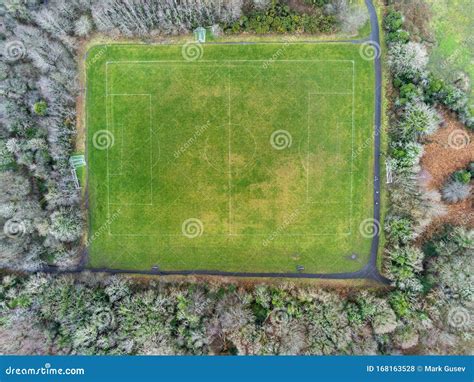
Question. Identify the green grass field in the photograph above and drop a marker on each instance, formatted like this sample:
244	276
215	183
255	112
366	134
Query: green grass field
453	24
251	158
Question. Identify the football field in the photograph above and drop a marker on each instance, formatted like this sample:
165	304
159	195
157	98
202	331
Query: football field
234	158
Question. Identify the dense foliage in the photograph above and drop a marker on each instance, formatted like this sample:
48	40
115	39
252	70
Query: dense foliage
100	314
413	119
320	16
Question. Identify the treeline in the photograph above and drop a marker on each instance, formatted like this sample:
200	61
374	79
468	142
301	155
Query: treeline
316	16
101	314
414	117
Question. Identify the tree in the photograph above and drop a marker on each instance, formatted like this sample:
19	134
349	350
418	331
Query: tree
350	17
418	120
66	224
455	191
405	156
408	61
384	319
399	230
40	108
406	265
83	26
393	20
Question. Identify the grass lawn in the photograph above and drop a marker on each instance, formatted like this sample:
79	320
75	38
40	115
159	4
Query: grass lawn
251	158
453	24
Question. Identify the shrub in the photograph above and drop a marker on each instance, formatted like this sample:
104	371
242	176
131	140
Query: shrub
393	20
462	176
399	36
433	87
40	108
408	93
455	191
454	98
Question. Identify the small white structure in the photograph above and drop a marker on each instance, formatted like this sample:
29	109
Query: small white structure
76	161
388	168
200	34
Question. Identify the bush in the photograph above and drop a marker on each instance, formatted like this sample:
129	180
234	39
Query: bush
399	36
393	21
40	108
408	93
462	176
455	191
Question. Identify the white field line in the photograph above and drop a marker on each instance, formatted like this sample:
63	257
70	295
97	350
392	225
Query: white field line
109	115
352	148
150	149
352	143
212	61
229	192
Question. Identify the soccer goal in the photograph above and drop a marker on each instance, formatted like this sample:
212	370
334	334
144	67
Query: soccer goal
76	161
